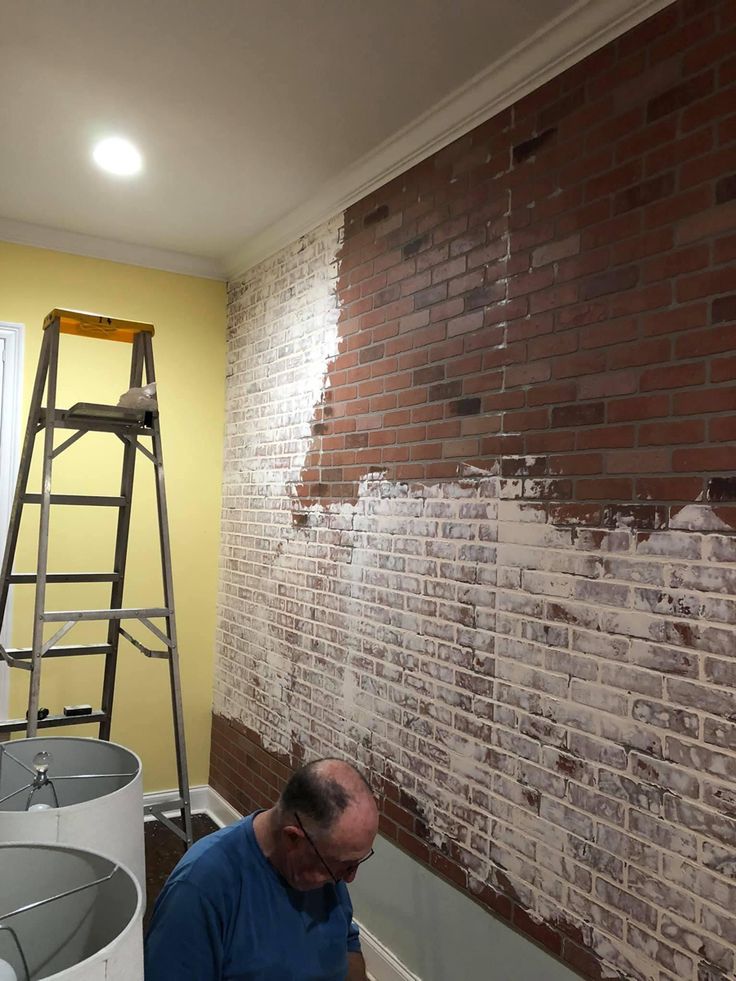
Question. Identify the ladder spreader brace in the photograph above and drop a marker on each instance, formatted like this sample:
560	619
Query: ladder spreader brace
129	425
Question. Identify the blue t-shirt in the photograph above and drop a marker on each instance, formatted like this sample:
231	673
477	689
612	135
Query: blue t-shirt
225	914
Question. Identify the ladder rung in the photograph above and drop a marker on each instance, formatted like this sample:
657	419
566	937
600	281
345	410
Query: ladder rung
20	725
63	650
132	614
19	578
85	500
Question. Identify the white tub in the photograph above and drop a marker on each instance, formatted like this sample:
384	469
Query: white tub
94	934
104	815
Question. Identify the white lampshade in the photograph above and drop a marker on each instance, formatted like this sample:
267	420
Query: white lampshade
94	934
104	814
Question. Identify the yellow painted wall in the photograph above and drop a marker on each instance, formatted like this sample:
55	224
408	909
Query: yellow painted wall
189	353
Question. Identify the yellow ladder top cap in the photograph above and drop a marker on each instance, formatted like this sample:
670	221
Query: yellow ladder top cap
96	325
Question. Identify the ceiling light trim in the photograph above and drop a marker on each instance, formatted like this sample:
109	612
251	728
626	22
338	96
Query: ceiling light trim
583	29
94	247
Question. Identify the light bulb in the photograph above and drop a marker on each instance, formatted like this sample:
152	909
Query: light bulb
41	763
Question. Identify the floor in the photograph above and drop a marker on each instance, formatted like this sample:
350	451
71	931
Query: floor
163	851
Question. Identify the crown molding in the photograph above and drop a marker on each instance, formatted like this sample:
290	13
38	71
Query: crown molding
585	27
41	237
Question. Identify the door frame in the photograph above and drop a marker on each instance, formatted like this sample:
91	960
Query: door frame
13	336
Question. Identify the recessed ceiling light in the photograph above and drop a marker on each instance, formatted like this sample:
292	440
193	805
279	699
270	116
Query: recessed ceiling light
118	156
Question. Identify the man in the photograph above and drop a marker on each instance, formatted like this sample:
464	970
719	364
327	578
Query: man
265	899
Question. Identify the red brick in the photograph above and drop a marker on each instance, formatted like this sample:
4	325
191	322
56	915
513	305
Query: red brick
530	327
680	96
677	319
668	488
589	214
604	489
711	340
583	363
669	433
675	263
550	299
607	384
580	414
672	376
614	180
552	345
605	437
639	246
718	105
639	461
705	284
520	421
723	310
704	401
638	140
555	251
635	301
683	38
723	369
680	150
582	266
652	351
719	219
640	408
573	464
706	458
652	189
679	207
556	441
722	430
609	333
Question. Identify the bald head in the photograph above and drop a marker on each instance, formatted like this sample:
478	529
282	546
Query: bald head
322	827
324	791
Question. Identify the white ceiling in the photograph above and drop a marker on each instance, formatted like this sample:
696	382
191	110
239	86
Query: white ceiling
255	117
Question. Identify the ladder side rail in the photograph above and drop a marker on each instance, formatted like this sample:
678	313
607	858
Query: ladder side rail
121	552
43	528
174	672
23	471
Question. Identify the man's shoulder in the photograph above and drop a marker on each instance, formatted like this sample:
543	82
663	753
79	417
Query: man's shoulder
216	860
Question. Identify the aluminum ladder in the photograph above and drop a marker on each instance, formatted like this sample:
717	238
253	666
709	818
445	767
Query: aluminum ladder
130	426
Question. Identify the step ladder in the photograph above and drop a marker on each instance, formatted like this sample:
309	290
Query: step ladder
130	426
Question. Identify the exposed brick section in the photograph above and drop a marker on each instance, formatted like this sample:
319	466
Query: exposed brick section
479	509
564	260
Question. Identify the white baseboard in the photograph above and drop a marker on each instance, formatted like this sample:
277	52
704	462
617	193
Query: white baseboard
381	963
204	800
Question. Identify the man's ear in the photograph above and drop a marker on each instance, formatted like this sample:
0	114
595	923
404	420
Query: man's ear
292	835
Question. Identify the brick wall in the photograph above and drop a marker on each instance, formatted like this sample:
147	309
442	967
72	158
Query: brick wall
479	523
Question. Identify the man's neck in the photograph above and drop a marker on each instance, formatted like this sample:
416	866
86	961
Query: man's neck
264	831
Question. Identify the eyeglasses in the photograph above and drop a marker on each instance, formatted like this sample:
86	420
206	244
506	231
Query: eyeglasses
350	867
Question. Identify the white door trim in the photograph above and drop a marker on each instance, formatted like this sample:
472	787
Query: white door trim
10	438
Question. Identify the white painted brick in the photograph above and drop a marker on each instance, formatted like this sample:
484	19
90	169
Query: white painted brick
551	698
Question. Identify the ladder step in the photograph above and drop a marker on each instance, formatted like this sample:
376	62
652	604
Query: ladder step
63	650
132	614
95	410
20	725
85	500
30	577
100	418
